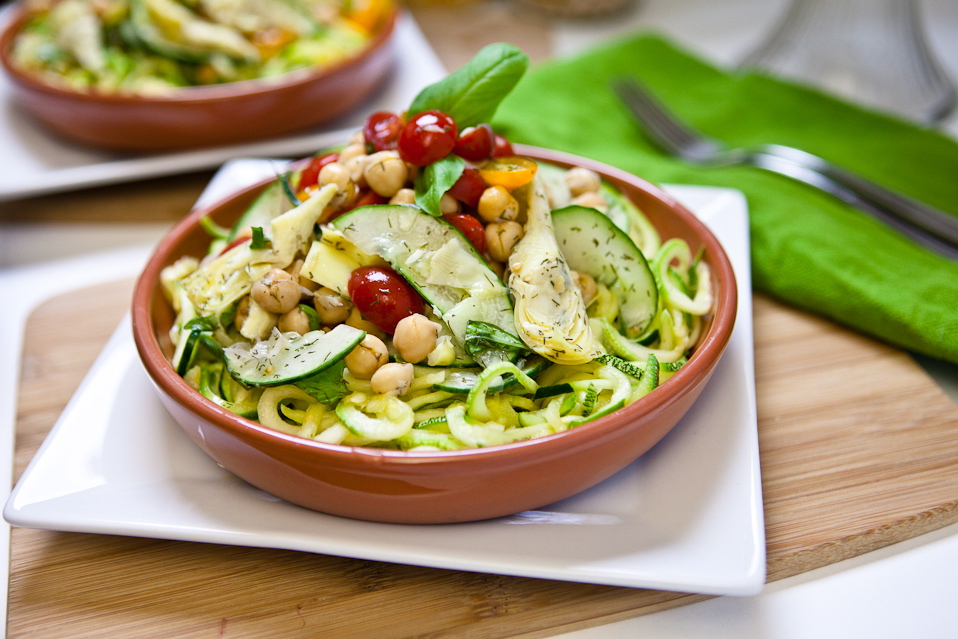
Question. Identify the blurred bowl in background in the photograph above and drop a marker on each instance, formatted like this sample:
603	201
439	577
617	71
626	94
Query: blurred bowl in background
200	116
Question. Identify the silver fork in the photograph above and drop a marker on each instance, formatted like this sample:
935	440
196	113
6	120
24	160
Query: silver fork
925	225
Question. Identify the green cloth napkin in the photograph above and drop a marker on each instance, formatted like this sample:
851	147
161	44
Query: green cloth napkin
808	249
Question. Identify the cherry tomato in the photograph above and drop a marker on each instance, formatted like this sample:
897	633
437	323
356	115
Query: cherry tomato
470	227
383	296
427	137
501	147
237	242
475	143
468	188
382	130
509	173
310	175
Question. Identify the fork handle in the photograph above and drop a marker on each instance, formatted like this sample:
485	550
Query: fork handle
911	211
803	173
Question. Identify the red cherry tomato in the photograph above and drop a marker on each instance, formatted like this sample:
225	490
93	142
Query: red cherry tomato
310	175
468	188
235	243
382	130
501	147
470	227
383	296
475	143
427	137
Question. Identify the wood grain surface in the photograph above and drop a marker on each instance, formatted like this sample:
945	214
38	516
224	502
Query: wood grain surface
859	450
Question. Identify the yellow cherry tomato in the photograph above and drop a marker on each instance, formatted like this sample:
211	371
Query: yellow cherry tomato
368	14
508	172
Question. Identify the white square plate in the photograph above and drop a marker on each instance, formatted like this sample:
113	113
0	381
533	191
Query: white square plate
687	516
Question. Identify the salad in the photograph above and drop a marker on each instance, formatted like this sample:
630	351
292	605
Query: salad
149	47
424	288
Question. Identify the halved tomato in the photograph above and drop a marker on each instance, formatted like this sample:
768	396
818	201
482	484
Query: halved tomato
508	172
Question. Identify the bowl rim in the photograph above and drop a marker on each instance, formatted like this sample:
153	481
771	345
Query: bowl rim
190	94
704	357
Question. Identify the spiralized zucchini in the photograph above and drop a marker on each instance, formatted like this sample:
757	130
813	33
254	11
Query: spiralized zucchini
517	397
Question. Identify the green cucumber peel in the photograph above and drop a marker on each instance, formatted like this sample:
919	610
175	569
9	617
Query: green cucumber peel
472	93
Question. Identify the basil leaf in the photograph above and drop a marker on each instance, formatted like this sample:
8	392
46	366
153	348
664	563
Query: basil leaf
259	241
472	93
435	179
327	386
488	344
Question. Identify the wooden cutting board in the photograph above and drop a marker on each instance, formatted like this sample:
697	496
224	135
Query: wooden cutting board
859	450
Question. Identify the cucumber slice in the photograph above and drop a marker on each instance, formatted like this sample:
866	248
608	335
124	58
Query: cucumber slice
630	219
270	204
285	358
592	244
436	259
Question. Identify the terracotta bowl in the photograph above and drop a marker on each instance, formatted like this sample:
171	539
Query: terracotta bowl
433	487
200	116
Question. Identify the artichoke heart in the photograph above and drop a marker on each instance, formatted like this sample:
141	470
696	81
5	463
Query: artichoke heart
180	25
550	313
79	30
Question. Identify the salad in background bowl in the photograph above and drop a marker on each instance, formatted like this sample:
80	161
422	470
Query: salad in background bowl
430	325
142	75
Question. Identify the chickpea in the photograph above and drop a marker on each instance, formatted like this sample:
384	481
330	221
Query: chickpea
403	196
415	337
242	313
385	173
498	268
358	137
336	173
356	167
497	203
295	269
392	378
296	321
356	320
501	238
331	307
351	151
412	170
368	356
582	180
592	200
448	205
587	286
276	292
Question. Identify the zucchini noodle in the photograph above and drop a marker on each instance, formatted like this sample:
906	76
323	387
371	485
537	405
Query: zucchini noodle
513	395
